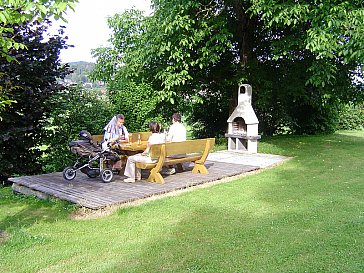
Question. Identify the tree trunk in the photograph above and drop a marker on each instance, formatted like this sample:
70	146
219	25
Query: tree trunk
244	36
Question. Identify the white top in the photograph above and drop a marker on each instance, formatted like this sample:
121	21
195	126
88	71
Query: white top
177	132
156	138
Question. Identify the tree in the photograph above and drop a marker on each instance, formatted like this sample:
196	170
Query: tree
332	29
165	55
138	102
197	52
316	48
33	78
17	12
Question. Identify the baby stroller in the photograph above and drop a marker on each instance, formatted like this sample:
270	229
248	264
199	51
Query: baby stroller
92	159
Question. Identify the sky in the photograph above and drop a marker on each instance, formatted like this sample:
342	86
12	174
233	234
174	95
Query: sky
87	26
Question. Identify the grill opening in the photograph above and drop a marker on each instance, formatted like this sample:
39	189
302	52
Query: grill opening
243	123
239	126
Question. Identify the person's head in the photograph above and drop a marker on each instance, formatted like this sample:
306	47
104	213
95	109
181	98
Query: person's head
176	117
120	120
154	127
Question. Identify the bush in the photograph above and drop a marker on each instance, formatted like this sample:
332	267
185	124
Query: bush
351	117
25	87
75	110
314	119
137	102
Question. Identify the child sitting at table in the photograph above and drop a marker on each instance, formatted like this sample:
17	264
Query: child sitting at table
130	170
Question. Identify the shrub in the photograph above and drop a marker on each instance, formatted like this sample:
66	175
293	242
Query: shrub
137	102
351	117
75	109
25	87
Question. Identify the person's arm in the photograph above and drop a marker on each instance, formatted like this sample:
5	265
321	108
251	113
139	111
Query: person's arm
151	140
126	136
115	139
170	134
108	138
146	151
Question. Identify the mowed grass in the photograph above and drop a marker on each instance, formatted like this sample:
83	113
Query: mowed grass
305	215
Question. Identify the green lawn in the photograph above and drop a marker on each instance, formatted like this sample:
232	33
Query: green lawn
305	215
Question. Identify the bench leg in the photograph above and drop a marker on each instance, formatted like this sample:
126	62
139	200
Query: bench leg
155	177
200	168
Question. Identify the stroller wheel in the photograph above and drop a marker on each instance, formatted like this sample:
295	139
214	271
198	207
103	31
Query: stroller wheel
106	175
69	173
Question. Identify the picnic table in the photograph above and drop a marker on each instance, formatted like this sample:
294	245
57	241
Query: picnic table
164	154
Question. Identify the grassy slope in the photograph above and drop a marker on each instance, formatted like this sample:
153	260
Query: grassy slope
304	215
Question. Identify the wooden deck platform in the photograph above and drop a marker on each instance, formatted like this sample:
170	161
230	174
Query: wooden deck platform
94	194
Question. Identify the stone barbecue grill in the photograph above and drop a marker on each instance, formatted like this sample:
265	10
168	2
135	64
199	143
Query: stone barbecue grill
243	123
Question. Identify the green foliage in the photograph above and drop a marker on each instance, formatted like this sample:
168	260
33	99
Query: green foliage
4	95
213	124
308	119
165	49
73	110
17	12
287	106
32	79
178	57
351	117
137	102
330	30
196	53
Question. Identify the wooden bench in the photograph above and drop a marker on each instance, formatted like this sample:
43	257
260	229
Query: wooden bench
98	138
176	153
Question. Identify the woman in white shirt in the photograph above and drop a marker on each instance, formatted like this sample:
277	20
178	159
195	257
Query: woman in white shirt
130	170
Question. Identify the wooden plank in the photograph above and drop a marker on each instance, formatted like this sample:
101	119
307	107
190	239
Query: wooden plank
74	194
94	194
65	192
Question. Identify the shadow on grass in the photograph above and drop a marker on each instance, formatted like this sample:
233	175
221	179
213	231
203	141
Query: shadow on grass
19	211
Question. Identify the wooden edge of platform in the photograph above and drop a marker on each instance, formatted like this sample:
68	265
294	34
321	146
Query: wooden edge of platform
86	213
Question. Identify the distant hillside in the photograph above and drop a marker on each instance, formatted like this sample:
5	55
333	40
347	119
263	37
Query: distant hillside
81	74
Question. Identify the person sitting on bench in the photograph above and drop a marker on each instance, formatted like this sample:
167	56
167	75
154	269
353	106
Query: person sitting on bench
115	130
130	170
177	133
